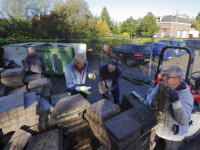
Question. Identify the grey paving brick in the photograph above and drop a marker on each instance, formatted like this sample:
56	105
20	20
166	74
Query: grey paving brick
38	83
12	72
11	103
20	89
103	110
32	77
122	126
70	104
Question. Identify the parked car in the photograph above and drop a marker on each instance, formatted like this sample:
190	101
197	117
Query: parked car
178	52
157	47
133	53
194	45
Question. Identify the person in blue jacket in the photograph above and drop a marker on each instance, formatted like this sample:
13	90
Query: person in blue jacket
110	74
75	76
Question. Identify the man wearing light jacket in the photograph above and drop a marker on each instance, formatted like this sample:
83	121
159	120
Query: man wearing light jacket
75	75
174	122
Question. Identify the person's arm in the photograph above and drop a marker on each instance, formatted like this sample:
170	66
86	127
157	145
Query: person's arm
69	79
112	55
26	67
151	96
42	62
182	109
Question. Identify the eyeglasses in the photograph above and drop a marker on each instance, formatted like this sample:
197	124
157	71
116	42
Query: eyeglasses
164	75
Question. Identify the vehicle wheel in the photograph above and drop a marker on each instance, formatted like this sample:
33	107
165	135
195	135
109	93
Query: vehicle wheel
196	52
156	58
130	62
194	128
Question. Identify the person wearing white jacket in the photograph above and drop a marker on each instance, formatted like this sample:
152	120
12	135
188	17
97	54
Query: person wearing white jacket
174	122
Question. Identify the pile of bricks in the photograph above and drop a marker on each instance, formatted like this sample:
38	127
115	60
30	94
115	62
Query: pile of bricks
132	129
12	78
69	115
24	110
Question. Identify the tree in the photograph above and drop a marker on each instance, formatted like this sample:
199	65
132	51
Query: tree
23	8
14	27
47	26
197	24
101	28
129	25
77	16
198	17
105	17
148	25
116	30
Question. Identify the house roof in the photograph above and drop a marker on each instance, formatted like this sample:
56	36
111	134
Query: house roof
171	18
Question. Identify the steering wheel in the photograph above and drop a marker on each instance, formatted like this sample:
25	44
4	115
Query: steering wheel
195	75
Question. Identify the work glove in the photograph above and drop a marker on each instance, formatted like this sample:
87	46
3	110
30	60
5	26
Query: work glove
92	76
84	89
171	94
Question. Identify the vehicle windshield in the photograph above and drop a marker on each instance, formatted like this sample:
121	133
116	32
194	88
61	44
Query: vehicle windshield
144	48
182	44
165	45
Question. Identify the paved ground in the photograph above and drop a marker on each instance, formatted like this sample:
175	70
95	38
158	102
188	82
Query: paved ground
125	86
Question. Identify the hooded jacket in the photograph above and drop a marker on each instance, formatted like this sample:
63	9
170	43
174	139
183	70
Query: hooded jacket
110	55
175	122
34	64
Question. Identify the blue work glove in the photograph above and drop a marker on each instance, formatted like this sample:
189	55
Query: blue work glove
171	94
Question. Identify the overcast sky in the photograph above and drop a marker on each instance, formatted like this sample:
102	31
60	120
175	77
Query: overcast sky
120	10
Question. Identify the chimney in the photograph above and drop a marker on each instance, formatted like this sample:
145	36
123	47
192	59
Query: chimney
176	15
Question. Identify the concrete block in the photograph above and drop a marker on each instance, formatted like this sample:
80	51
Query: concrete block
11	103
46	107
79	121
38	83
122	126
20	89
70	105
32	77
144	115
12	72
46	93
1	70
80	116
38	91
48	140
18	140
16	79
103	110
3	90
101	148
57	97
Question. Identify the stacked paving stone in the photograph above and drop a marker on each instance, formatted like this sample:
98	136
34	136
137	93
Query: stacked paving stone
69	115
18	140
132	129
12	78
22	110
51	140
33	77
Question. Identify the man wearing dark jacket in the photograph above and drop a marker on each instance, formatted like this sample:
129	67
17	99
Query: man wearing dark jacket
33	63
110	74
109	53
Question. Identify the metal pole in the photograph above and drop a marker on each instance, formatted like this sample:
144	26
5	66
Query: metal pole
152	39
101	49
78	37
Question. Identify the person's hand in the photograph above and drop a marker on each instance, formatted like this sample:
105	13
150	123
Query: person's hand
84	89
92	76
171	94
103	82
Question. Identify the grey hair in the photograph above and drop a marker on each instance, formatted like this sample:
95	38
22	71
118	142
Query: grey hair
106	45
78	57
31	49
113	62
179	71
